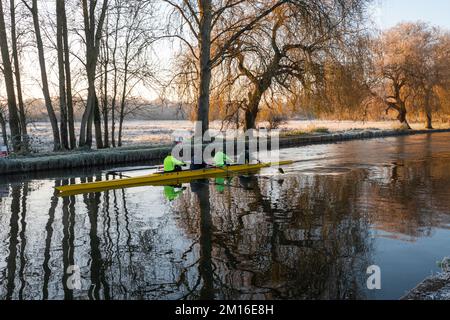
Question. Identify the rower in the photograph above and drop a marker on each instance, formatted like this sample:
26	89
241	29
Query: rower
221	160
172	164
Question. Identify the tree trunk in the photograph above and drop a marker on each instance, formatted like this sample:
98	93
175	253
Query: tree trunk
123	100
98	125
402	116
113	113
105	109
105	95
85	131
62	76
14	121
115	82
428	111
205	65
252	110
250	120
45	89
113	107
4	133
91	114
15	56
68	73
93	33
429	121
119	138
122	109
88	115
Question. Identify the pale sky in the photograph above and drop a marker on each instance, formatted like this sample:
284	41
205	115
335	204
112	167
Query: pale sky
435	12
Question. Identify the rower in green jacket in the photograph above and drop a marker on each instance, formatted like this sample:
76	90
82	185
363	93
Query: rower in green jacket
171	164
222	160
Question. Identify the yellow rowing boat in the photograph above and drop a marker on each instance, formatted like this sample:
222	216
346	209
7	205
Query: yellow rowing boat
171	178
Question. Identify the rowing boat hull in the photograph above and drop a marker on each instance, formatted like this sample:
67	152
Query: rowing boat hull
162	178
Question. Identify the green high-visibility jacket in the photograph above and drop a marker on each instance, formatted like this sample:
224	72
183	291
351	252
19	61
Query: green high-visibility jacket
170	162
221	159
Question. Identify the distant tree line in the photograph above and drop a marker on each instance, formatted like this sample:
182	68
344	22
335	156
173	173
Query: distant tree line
239	61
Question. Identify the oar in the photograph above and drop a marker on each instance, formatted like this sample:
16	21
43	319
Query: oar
119	171
118	174
128	169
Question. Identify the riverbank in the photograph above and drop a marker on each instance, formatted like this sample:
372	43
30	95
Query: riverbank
152	132
436	287
94	158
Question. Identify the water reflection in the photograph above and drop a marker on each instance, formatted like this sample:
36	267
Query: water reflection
310	234
48	242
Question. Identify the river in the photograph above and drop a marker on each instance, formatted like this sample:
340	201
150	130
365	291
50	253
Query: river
310	233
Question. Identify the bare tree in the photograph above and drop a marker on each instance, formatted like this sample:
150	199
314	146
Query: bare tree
135	67
44	78
93	29
68	78
413	66
115	72
3	126
104	61
15	56
125	60
60	13
14	120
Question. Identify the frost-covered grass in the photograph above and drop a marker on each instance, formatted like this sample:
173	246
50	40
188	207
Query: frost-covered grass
335	126
145	133
436	287
307	131
135	133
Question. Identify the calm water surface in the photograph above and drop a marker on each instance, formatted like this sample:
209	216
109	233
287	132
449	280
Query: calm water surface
309	234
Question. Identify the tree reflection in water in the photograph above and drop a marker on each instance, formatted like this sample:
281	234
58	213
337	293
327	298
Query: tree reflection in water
303	236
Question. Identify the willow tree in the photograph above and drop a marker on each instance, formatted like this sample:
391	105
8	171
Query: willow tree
209	29
443	89
287	49
412	63
393	67
429	61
